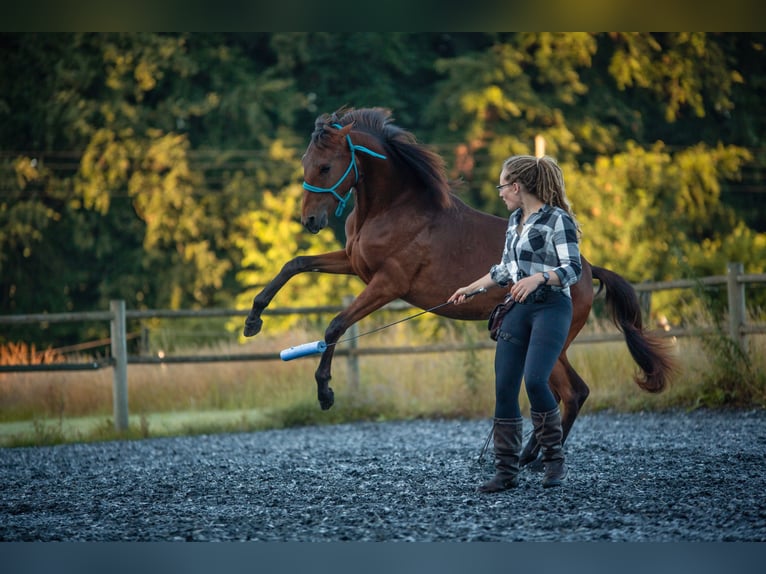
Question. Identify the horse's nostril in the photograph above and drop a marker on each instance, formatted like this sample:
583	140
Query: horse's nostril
314	223
311	224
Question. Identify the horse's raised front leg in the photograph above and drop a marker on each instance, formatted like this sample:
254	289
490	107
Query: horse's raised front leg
371	299
334	262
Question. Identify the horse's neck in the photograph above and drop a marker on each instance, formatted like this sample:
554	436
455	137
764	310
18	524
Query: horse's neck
360	213
381	192
374	200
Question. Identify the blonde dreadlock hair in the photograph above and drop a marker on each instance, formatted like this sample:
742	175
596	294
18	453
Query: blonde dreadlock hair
543	178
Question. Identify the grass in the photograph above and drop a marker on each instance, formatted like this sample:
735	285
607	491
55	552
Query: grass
93	428
185	399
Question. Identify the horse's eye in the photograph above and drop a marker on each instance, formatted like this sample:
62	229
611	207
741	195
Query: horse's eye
324	169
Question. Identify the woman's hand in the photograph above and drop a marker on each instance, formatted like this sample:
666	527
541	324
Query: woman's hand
523	288
464	293
459	296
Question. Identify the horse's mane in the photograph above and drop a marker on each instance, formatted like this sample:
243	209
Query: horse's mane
426	165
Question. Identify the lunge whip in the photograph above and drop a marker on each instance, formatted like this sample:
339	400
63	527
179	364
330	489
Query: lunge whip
318	347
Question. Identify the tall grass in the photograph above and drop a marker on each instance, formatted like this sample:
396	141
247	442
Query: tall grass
52	407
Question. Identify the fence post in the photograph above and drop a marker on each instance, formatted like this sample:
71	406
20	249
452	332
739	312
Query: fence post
645	302
736	296
352	359
144	340
120	357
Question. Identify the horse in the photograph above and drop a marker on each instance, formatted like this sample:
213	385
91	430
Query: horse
410	237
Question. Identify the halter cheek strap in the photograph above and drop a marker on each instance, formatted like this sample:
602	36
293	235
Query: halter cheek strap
343	200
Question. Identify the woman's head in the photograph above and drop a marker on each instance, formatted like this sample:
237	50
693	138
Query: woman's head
542	177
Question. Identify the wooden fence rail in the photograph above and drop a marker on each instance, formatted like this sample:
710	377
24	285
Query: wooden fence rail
118	317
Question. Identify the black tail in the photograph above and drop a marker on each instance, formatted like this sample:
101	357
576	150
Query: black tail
650	352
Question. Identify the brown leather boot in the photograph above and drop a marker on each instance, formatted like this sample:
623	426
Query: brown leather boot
507	437
549	434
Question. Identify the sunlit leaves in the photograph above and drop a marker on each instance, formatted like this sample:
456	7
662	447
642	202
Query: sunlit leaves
683	69
655	215
104	169
559	59
275	237
164	167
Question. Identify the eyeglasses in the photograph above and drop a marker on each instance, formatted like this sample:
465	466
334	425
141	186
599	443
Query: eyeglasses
500	187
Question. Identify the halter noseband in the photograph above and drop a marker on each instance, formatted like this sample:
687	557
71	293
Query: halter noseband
343	200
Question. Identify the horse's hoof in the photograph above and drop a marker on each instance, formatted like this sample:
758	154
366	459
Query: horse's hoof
526	458
253	327
326	400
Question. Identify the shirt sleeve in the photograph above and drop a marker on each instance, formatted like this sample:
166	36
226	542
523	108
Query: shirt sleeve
501	273
568	251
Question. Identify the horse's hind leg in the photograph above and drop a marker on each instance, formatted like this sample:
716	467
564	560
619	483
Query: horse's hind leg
529	455
577	394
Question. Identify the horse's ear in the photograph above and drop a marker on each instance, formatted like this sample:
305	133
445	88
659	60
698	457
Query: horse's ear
345	130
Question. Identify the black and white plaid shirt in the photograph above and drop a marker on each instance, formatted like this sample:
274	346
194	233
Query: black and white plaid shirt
548	242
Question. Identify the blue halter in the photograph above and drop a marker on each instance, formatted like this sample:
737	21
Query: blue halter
343	200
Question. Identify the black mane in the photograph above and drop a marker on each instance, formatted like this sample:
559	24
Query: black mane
400	145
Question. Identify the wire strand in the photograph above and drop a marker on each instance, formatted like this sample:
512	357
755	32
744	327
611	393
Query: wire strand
439	306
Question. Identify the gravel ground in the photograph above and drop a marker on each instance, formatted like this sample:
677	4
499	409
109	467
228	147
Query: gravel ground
696	476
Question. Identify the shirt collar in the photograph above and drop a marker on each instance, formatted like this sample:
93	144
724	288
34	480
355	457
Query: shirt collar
519	213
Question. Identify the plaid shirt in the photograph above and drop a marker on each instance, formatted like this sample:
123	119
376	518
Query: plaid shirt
548	242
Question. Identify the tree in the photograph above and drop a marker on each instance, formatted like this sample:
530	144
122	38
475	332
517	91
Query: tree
163	168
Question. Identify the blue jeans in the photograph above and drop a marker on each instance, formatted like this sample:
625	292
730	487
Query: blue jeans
529	342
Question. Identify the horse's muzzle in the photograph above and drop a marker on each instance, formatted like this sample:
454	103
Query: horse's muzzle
315	224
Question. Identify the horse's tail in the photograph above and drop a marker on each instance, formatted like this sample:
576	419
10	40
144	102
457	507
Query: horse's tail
650	352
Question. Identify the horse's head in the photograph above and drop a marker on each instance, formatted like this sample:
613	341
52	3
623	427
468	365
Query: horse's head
330	172
326	181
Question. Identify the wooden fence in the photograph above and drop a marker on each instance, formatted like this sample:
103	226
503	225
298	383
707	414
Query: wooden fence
118	317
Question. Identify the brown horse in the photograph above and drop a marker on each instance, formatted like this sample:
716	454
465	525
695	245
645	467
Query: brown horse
409	237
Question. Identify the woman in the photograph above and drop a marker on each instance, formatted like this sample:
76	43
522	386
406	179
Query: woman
540	261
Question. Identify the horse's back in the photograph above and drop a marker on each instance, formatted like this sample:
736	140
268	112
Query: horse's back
460	245
476	237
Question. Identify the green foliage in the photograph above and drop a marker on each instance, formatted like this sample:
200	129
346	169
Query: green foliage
687	70
162	168
735	377
275	236
641	210
733	381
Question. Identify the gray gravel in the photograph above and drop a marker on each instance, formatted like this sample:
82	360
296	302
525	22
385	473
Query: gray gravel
680	476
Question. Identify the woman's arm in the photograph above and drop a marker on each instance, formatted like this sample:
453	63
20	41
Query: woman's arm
484	282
